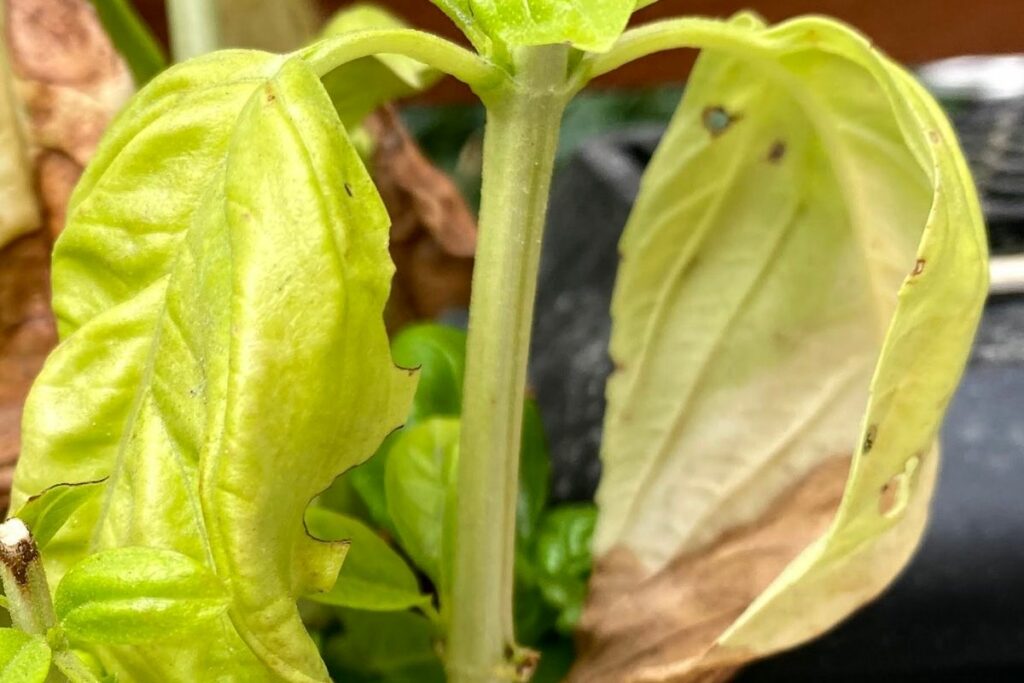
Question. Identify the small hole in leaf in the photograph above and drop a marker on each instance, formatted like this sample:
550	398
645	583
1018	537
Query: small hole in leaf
717	120
919	266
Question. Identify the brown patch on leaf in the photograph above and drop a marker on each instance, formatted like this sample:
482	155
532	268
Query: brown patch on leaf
433	233
70	83
636	624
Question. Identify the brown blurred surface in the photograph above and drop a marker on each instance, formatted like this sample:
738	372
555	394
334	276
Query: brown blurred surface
912	31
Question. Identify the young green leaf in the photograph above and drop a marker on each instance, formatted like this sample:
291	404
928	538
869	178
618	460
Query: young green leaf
23	658
361	86
132	38
564	560
374	577
591	25
534	475
384	647
46	513
220	289
807	242
130	596
421	494
439	353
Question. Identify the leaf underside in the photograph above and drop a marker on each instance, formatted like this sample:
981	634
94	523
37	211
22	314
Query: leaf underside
806	242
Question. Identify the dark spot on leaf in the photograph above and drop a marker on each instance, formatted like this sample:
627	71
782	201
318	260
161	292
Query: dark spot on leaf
270	96
869	439
717	120
778	152
348	190
919	266
888	496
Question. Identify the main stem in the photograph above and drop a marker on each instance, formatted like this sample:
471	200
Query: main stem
519	151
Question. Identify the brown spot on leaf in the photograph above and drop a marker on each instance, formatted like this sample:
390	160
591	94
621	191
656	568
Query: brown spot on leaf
636	621
870	436
888	497
919	267
777	153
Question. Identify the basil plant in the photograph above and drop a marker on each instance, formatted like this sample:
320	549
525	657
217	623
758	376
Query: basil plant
800	282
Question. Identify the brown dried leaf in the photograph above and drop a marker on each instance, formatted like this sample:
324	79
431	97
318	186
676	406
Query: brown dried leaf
69	83
433	233
636	622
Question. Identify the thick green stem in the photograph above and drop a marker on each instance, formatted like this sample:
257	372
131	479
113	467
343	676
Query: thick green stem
194	28
519	151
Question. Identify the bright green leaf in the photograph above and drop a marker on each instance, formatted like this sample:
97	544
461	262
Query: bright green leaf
534	474
591	25
374	577
420	484
564	560
384	647
46	513
138	595
23	658
439	353
220	289
802	277
132	38
363	85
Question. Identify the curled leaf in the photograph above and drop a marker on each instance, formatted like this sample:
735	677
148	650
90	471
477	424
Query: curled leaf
802	278
45	514
220	290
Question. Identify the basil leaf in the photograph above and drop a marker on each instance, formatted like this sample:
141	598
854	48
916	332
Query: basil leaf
361	86
138	595
534	474
374	577
564	560
46	513
23	658
421	494
802	278
220	289
384	647
439	353
591	25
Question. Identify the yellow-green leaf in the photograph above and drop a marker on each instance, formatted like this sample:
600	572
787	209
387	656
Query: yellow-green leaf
220	289
802	278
